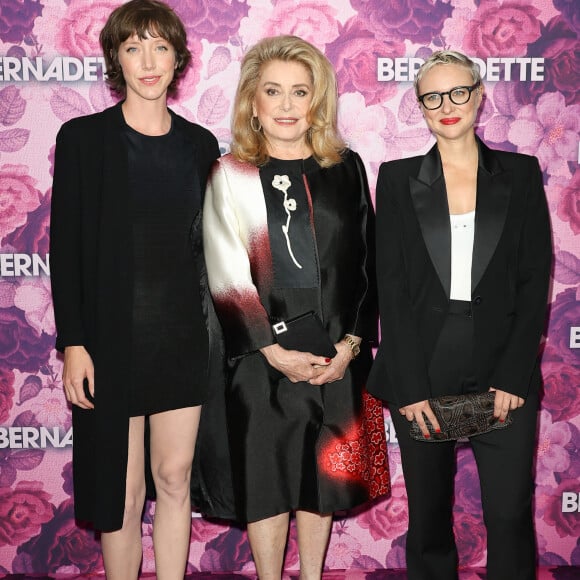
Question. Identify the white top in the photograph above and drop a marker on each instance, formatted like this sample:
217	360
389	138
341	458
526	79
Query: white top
462	231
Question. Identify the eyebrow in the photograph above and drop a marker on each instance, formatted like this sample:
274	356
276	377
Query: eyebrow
451	89
132	40
300	85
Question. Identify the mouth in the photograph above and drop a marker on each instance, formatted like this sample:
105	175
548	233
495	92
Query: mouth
450	120
150	81
286	120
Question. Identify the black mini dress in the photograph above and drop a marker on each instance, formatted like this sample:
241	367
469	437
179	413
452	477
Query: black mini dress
169	345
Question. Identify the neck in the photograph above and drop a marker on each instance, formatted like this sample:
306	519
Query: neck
147	117
458	152
287	151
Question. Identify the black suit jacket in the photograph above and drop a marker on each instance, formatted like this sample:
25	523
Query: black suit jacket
509	278
91	276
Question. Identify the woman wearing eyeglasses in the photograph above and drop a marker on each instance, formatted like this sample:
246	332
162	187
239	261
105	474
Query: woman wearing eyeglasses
463	266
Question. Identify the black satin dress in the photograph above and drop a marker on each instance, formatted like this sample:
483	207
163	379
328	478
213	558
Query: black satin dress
294	445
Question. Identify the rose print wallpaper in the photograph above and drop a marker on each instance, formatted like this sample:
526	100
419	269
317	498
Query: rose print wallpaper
51	71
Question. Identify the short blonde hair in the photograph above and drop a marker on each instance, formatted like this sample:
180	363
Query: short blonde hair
250	145
447	57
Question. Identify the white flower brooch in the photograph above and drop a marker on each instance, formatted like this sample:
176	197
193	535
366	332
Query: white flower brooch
282	183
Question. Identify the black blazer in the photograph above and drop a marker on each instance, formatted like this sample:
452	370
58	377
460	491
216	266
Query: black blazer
509	278
92	287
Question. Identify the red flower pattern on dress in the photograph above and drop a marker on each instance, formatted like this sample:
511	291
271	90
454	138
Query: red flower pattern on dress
360	454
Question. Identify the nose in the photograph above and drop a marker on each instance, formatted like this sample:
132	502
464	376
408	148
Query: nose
447	104
286	103
147	61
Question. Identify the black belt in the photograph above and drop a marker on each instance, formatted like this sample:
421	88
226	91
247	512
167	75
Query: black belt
462	307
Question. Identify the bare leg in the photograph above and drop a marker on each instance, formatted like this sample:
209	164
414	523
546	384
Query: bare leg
173	436
268	541
313	535
122	551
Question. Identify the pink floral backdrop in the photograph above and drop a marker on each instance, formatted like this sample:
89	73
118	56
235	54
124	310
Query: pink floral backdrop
50	72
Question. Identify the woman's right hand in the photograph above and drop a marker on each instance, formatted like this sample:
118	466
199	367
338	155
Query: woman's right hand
419	411
295	365
78	366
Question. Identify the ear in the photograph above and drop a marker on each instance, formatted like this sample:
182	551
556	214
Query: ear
254	111
480	93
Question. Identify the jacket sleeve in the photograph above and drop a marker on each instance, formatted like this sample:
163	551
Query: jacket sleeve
400	353
519	355
366	312
208	152
65	241
227	247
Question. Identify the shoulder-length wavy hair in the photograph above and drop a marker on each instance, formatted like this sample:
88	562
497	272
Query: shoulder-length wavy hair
143	18
322	136
447	57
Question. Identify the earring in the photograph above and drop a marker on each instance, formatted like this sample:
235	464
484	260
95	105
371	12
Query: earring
253	125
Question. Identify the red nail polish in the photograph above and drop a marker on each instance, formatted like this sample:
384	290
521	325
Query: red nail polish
502	420
428	436
437	430
327	360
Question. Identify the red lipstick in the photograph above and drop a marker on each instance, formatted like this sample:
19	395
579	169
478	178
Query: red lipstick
450	120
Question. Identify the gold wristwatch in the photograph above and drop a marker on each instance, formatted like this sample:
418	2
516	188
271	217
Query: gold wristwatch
353	345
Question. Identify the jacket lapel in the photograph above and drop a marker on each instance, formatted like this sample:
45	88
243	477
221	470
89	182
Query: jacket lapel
430	201
115	189
493	196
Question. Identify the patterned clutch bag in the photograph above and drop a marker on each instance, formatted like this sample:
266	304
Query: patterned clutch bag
461	416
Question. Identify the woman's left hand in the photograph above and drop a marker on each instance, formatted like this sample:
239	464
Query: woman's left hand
337	367
505	402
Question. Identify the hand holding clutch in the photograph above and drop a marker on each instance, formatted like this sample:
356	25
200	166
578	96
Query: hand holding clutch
304	333
461	416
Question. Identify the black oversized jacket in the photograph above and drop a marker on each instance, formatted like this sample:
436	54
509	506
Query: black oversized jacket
91	275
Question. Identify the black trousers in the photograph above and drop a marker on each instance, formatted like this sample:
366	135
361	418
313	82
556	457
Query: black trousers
504	461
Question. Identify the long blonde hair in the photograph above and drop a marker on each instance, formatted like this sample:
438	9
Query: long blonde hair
250	145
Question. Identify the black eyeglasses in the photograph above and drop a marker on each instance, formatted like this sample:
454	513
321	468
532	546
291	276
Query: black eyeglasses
457	95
